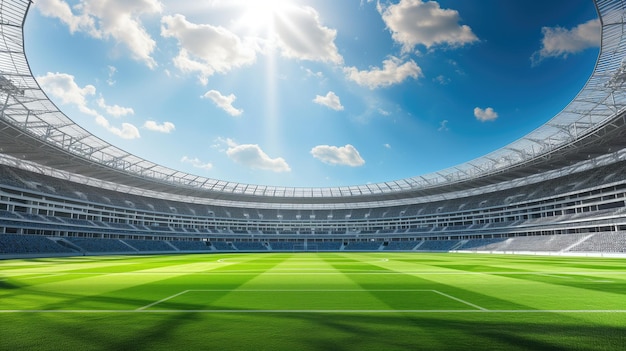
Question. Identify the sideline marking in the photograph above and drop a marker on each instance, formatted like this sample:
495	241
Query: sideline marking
330	271
43	276
553	276
312	311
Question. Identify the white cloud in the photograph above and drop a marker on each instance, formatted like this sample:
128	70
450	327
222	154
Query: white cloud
253	157
62	10
165	127
128	131
485	115
104	19
441	79
443	125
114	110
387	146
301	36
331	100
195	162
207	49
333	155
223	102
310	73
63	87
112	71
394	71
414	22
222	144
560	42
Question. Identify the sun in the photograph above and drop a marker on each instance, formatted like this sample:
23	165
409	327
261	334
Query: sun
259	16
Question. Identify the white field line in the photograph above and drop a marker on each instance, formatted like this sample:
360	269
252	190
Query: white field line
162	300
356	272
316	290
459	300
553	276
309	290
44	276
313	311
267	290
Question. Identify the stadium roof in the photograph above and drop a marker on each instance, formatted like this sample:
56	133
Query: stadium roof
34	130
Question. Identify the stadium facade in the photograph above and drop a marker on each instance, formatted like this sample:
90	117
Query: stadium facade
561	188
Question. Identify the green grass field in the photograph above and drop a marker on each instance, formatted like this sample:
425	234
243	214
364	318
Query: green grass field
313	301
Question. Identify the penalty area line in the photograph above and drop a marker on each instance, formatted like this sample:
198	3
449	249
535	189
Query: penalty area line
162	300
467	303
459	300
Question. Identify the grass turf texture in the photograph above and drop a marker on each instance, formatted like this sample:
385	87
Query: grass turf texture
306	301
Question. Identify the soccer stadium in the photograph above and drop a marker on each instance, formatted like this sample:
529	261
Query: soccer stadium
521	248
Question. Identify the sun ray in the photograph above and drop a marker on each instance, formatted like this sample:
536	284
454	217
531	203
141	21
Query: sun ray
258	16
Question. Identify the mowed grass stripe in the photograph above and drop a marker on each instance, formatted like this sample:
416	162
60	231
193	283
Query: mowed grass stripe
328	311
302	300
383	300
115	323
156	277
334	271
498	290
222	284
570	290
87	290
481	284
190	280
408	279
378	286
341	281
112	290
311	300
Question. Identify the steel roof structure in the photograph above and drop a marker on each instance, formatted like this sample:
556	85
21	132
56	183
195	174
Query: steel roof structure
33	131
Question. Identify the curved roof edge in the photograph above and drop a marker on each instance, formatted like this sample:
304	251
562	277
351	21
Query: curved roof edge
34	129
347	204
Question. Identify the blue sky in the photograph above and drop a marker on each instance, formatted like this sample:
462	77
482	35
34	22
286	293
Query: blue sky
311	93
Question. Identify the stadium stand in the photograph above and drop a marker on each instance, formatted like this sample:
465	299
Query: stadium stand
603	242
363	245
437	245
250	246
30	244
593	207
560	189
92	245
282	245
222	246
400	245
191	245
149	245
324	246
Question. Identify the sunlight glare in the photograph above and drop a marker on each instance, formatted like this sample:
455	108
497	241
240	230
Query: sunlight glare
259	16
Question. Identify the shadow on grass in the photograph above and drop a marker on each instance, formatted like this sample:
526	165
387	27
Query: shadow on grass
9	285
154	330
239	330
132	297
